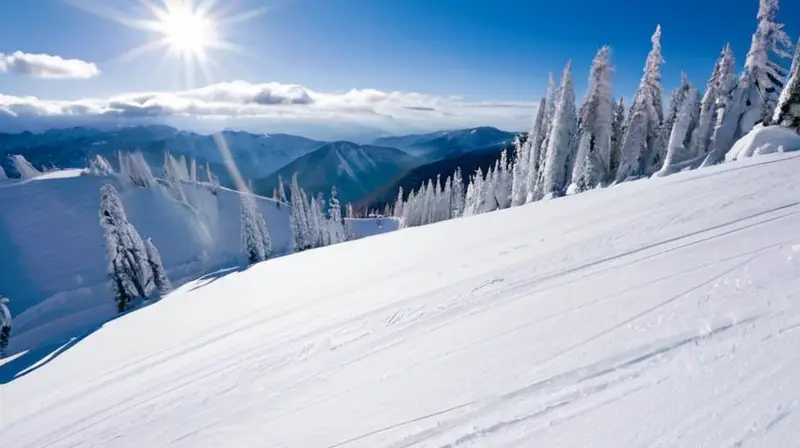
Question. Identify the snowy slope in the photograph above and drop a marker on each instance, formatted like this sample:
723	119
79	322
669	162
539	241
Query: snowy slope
659	313
53	265
364	227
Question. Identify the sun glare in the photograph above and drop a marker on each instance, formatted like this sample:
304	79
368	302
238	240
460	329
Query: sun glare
187	32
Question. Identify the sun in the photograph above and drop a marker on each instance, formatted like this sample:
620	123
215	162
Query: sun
187	32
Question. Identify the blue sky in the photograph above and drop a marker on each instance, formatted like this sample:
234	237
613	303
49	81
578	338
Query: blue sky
490	52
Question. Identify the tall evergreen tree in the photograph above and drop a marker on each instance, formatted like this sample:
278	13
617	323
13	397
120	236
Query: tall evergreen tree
701	137
160	279
686	120
299	218
536	159
130	274
560	145
618	128
335	216
729	107
643	143
5	326
252	242
457	203
764	74
593	160
787	112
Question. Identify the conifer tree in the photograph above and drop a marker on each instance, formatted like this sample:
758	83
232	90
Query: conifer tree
536	159
787	112
252	241
764	74
729	107
618	128
593	160
701	137
130	274
560	145
160	279
643	143
5	326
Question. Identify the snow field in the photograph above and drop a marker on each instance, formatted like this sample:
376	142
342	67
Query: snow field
652	313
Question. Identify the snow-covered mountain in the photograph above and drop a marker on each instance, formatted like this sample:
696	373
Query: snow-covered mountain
256	155
355	170
662	312
443	144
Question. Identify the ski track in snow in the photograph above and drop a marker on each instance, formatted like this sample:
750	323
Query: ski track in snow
659	313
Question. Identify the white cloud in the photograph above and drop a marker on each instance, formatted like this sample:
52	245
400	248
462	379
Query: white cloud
269	103
47	66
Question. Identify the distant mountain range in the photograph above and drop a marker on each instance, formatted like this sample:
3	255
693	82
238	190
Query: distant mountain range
363	173
444	144
256	155
355	170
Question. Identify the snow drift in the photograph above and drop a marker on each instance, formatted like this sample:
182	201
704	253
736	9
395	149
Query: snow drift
663	313
764	140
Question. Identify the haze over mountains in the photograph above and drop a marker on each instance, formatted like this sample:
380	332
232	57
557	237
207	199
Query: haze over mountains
357	170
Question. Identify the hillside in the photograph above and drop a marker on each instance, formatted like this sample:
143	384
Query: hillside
662	312
355	170
414	178
54	262
256	155
443	144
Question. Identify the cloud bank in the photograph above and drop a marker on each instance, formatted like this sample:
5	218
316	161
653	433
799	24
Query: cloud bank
234	103
46	66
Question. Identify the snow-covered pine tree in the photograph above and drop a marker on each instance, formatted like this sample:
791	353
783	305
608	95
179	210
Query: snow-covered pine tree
160	279
729	110
685	121
534	143
519	173
457	201
504	180
252	242
560	142
298	218
593	159
281	190
398	203
193	171
679	95
552	95
5	326
642	143
787	112
618	128
265	236
335	216
763	76
129	271
701	137
97	166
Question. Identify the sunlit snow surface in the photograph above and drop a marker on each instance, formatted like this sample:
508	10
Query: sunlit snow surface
658	313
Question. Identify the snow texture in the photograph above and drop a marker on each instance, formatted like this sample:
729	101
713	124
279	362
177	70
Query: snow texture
660	313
